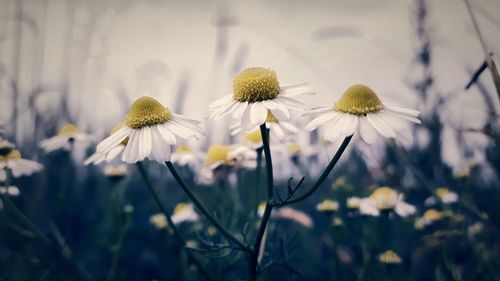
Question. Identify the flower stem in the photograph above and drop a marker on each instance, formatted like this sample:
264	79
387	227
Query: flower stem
323	176
117	248
203	209
254	257
489	61
171	224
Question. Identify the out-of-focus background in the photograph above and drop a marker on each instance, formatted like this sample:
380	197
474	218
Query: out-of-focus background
86	61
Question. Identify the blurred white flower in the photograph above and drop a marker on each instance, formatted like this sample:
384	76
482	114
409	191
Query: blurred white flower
115	172
385	199
184	156
353	202
430	216
68	136
5	147
442	194
151	129
289	214
10	190
184	213
359	108
221	160
17	165
256	92
327	206
389	257
159	221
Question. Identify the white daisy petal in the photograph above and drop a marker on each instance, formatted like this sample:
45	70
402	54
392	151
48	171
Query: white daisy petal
366	131
113	140
114	152
145	142
379	125
166	134
321	119
400	109
131	152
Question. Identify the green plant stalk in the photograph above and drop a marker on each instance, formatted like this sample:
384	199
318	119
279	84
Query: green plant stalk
117	249
489	61
323	176
203	209
256	191
171	224
254	256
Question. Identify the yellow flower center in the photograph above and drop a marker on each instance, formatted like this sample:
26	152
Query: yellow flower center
253	138
255	84
433	215
271	117
217	153
359	100
13	155
147	112
327	206
183	148
384	198
68	129
442	191
181	207
389	257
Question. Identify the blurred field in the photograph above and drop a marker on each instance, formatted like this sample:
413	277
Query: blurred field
85	62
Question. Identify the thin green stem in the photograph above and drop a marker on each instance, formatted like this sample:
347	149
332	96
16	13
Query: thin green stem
323	176
171	224
254	258
117	249
203	209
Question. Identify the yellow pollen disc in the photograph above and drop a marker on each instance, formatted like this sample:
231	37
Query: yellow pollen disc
294	148
180	208
433	215
255	84
68	129
271	117
359	100
327	206
254	137
183	148
13	155
442	191
389	257
147	112
384	198
217	153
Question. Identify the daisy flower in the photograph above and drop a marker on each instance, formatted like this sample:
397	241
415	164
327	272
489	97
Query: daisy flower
184	213
385	199
159	221
184	156
221	160
5	147
389	257
151	130
353	203
17	165
360	109
98	157
10	190
66	138
115	172
430	216
442	194
327	206
256	92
